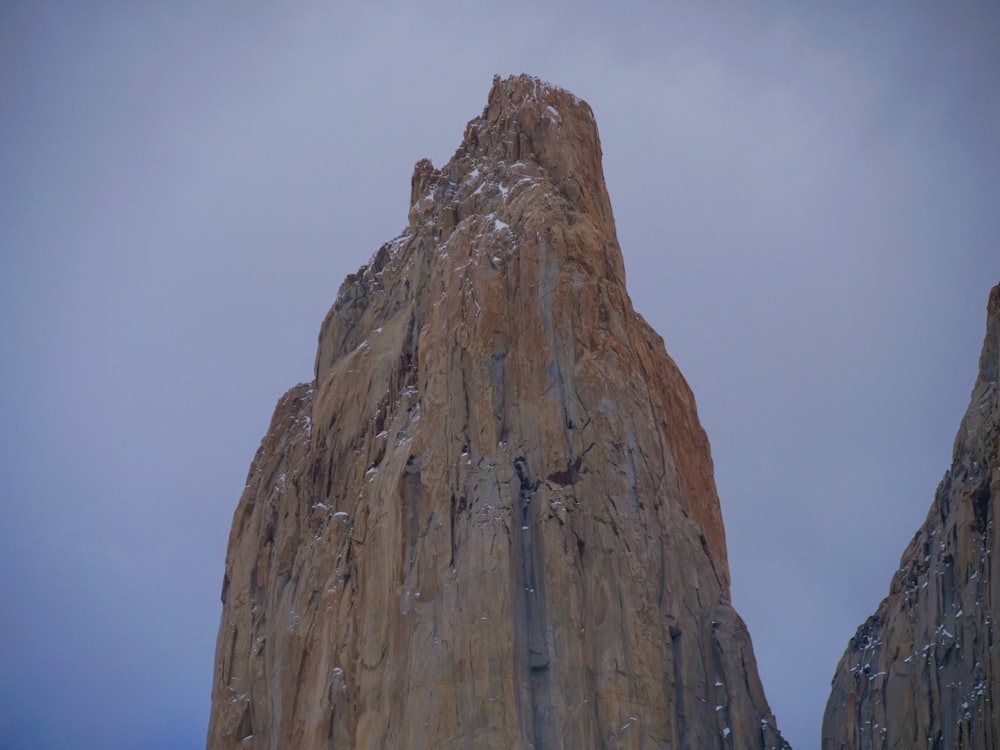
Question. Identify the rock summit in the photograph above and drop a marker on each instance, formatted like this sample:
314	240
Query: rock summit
490	520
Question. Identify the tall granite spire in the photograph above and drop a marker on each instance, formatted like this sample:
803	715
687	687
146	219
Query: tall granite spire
490	521
924	670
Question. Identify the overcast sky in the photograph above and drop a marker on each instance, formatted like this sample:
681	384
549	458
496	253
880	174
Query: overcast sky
808	203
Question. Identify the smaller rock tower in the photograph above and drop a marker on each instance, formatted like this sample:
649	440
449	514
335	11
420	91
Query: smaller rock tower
924	670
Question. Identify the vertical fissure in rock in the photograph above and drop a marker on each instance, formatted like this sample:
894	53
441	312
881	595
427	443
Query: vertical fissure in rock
661	560
531	626
679	709
232	654
410	508
630	471
451	537
717	676
499	383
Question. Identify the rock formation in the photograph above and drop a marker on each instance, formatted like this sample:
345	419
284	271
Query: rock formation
491	520
924	670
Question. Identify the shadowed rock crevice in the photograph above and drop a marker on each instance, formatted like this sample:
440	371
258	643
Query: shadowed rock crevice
531	645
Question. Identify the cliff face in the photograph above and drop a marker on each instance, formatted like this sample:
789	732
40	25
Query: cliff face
491	520
923	671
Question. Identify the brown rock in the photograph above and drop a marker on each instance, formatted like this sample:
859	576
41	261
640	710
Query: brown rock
491	520
923	671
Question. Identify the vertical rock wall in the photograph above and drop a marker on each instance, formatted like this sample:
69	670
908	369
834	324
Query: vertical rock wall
491	520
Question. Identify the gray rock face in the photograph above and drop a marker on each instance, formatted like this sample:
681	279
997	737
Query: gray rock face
490	521
923	671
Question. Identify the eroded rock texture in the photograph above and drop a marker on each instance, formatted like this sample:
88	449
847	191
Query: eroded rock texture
491	520
923	671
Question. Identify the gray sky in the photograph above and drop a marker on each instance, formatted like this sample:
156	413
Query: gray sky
807	202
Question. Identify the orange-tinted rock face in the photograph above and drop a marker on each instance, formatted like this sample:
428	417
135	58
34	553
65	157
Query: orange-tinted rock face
490	521
924	670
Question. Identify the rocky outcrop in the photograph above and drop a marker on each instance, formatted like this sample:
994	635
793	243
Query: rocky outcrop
491	520
923	671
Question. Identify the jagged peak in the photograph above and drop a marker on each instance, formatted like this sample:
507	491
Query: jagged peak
526	123
526	94
531	87
989	361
